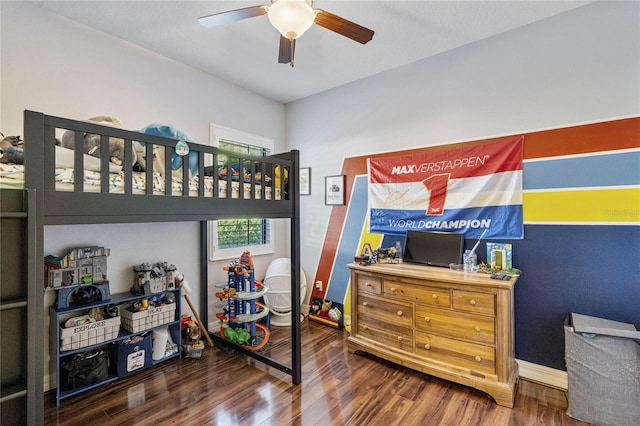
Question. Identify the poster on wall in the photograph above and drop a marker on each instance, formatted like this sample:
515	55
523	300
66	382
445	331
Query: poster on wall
468	189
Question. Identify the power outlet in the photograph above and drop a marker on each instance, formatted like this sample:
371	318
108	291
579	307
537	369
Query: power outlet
319	285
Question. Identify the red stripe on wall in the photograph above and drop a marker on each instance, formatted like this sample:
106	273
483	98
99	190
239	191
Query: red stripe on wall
330	246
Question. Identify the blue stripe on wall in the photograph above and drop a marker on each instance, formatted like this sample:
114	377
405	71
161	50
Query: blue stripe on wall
591	270
580	172
348	246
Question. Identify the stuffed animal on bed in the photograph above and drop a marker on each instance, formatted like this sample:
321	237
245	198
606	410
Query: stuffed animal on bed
170	132
11	151
92	141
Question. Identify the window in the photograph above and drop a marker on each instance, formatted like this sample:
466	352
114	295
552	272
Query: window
230	237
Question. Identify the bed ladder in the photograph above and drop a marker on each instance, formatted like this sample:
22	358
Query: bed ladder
21	312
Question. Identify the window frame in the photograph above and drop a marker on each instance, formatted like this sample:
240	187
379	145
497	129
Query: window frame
216	133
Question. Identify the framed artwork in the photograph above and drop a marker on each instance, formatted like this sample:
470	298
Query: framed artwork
334	190
305	181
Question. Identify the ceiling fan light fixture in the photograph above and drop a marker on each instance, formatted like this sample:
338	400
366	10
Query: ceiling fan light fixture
291	17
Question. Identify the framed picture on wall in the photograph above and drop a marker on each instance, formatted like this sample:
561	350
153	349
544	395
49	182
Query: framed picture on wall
334	190
305	181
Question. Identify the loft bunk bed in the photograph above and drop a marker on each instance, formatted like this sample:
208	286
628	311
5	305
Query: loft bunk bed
56	186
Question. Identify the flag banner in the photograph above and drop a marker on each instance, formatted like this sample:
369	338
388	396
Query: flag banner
468	190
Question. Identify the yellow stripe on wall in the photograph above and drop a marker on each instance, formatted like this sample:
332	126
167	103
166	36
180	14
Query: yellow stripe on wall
365	237
597	205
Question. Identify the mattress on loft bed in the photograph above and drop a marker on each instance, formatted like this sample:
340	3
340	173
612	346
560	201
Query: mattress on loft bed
65	182
12	177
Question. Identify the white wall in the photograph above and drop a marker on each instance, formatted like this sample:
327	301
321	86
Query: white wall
581	66
56	66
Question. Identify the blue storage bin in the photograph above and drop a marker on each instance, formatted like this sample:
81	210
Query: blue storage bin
131	358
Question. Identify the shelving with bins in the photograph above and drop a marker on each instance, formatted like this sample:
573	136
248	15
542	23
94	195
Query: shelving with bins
59	314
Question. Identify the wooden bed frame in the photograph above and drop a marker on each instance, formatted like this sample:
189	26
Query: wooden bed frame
40	204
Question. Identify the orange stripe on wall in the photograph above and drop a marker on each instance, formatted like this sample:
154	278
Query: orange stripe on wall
611	135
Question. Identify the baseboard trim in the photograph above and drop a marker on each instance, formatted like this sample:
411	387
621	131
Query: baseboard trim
534	372
544	375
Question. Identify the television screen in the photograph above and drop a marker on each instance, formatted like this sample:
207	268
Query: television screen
433	248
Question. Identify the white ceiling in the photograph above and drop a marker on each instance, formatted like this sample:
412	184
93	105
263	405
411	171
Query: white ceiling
246	52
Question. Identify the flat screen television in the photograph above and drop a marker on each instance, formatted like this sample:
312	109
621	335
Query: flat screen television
433	248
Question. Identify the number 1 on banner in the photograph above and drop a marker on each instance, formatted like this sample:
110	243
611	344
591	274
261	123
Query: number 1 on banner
437	186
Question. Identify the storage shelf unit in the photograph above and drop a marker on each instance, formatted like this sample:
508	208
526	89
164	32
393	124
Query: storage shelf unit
116	299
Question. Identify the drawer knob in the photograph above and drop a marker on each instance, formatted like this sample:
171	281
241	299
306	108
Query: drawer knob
365	327
369	284
399	313
478	329
472	302
478	358
399	338
365	303
427	346
392	290
427	319
435	296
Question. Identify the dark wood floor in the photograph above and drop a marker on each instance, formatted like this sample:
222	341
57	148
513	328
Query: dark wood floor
338	388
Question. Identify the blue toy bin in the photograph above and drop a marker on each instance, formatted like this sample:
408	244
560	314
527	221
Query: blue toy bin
130	358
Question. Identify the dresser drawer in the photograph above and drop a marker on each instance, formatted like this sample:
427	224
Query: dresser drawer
369	285
476	328
475	357
470	301
389	335
386	310
416	293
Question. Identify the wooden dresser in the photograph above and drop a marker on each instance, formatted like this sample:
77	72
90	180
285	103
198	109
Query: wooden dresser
454	325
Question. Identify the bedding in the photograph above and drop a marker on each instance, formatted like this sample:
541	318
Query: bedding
12	177
65	182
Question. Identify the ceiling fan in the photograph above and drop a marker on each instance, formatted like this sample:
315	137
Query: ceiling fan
292	18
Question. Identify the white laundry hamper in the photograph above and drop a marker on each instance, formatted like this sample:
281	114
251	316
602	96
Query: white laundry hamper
278	298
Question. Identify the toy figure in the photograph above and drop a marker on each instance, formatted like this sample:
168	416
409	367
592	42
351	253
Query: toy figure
11	151
315	307
246	259
177	159
92	141
326	307
244	263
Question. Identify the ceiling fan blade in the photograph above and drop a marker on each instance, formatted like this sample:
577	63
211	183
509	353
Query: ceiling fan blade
287	50
343	27
231	16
